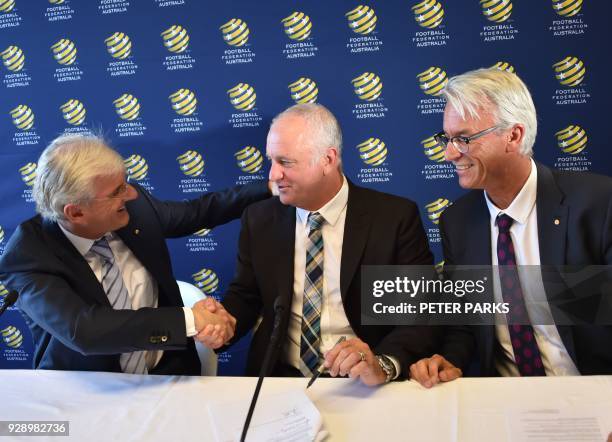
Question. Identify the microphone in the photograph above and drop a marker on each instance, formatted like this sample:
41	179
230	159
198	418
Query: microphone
280	305
10	299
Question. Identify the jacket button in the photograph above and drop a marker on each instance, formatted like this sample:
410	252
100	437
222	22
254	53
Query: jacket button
164	338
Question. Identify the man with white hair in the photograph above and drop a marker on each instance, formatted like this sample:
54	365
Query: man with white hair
308	245
528	214
93	270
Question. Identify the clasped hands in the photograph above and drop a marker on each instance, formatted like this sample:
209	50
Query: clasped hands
354	358
214	324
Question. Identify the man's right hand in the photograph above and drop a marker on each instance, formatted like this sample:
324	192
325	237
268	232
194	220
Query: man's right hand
430	371
214	324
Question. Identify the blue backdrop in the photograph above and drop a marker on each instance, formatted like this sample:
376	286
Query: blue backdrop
185	91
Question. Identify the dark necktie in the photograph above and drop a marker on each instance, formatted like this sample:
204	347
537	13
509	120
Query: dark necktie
526	351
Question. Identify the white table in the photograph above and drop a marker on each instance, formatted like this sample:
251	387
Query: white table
118	407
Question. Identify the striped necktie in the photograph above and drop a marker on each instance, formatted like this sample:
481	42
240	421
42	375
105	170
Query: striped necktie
112	283
310	341
526	351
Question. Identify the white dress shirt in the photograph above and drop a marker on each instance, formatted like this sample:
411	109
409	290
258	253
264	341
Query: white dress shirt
524	233
141	286
334	322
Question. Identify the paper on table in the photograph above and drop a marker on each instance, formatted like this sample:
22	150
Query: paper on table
555	425
289	416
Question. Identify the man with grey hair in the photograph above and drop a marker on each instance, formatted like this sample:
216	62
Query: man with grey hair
93	270
307	247
528	214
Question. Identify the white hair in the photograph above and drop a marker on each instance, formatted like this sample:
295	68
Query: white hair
323	128
66	171
497	91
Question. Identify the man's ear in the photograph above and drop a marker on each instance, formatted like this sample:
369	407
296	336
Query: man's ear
73	213
517	133
331	159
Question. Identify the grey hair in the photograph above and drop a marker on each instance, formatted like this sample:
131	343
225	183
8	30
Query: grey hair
66	171
502	93
324	130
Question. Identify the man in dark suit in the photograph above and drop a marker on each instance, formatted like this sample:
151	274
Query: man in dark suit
308	246
528	214
93	270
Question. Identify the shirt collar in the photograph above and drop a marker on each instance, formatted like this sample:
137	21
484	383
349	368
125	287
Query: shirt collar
520	208
83	245
332	209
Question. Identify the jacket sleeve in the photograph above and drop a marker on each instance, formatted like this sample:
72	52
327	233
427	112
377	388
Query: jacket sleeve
182	218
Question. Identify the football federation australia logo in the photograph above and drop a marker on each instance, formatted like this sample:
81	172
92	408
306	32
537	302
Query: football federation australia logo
504	66
362	20
7	5
428	14
183	102
570	71
297	26
235	32
304	90
136	167
373	151
432	81
127	107
433	150
206	280
567	8
191	163
242	96
119	45
23	117
249	159
435	209
13	58
368	86
12	336
572	140
64	52
73	112
497	11
28	174
175	39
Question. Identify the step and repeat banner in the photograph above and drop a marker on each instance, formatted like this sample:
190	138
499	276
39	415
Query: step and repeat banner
185	90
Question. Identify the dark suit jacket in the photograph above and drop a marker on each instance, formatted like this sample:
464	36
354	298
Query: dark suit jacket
72	323
582	203
379	229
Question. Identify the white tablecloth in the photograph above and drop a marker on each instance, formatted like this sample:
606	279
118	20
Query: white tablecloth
118	407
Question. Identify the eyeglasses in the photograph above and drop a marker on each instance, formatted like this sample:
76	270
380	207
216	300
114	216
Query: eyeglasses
119	192
461	143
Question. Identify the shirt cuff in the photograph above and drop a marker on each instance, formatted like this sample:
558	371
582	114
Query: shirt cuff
190	329
396	364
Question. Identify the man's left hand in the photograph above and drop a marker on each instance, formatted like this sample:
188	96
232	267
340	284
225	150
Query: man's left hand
354	358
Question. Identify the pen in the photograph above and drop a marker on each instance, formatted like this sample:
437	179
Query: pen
321	368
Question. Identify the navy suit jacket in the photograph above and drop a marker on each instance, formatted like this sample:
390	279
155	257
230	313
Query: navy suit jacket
379	229
574	212
71	320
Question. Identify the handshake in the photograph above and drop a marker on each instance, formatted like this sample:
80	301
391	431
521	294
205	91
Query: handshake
214	324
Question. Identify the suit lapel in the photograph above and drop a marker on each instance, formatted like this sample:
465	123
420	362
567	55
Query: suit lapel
478	247
552	235
356	227
283	231
552	219
75	262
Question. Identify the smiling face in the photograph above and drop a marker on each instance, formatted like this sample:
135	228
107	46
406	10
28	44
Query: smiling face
303	180
105	211
482	166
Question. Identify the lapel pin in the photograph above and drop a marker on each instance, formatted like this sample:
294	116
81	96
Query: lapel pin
136	231
557	222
